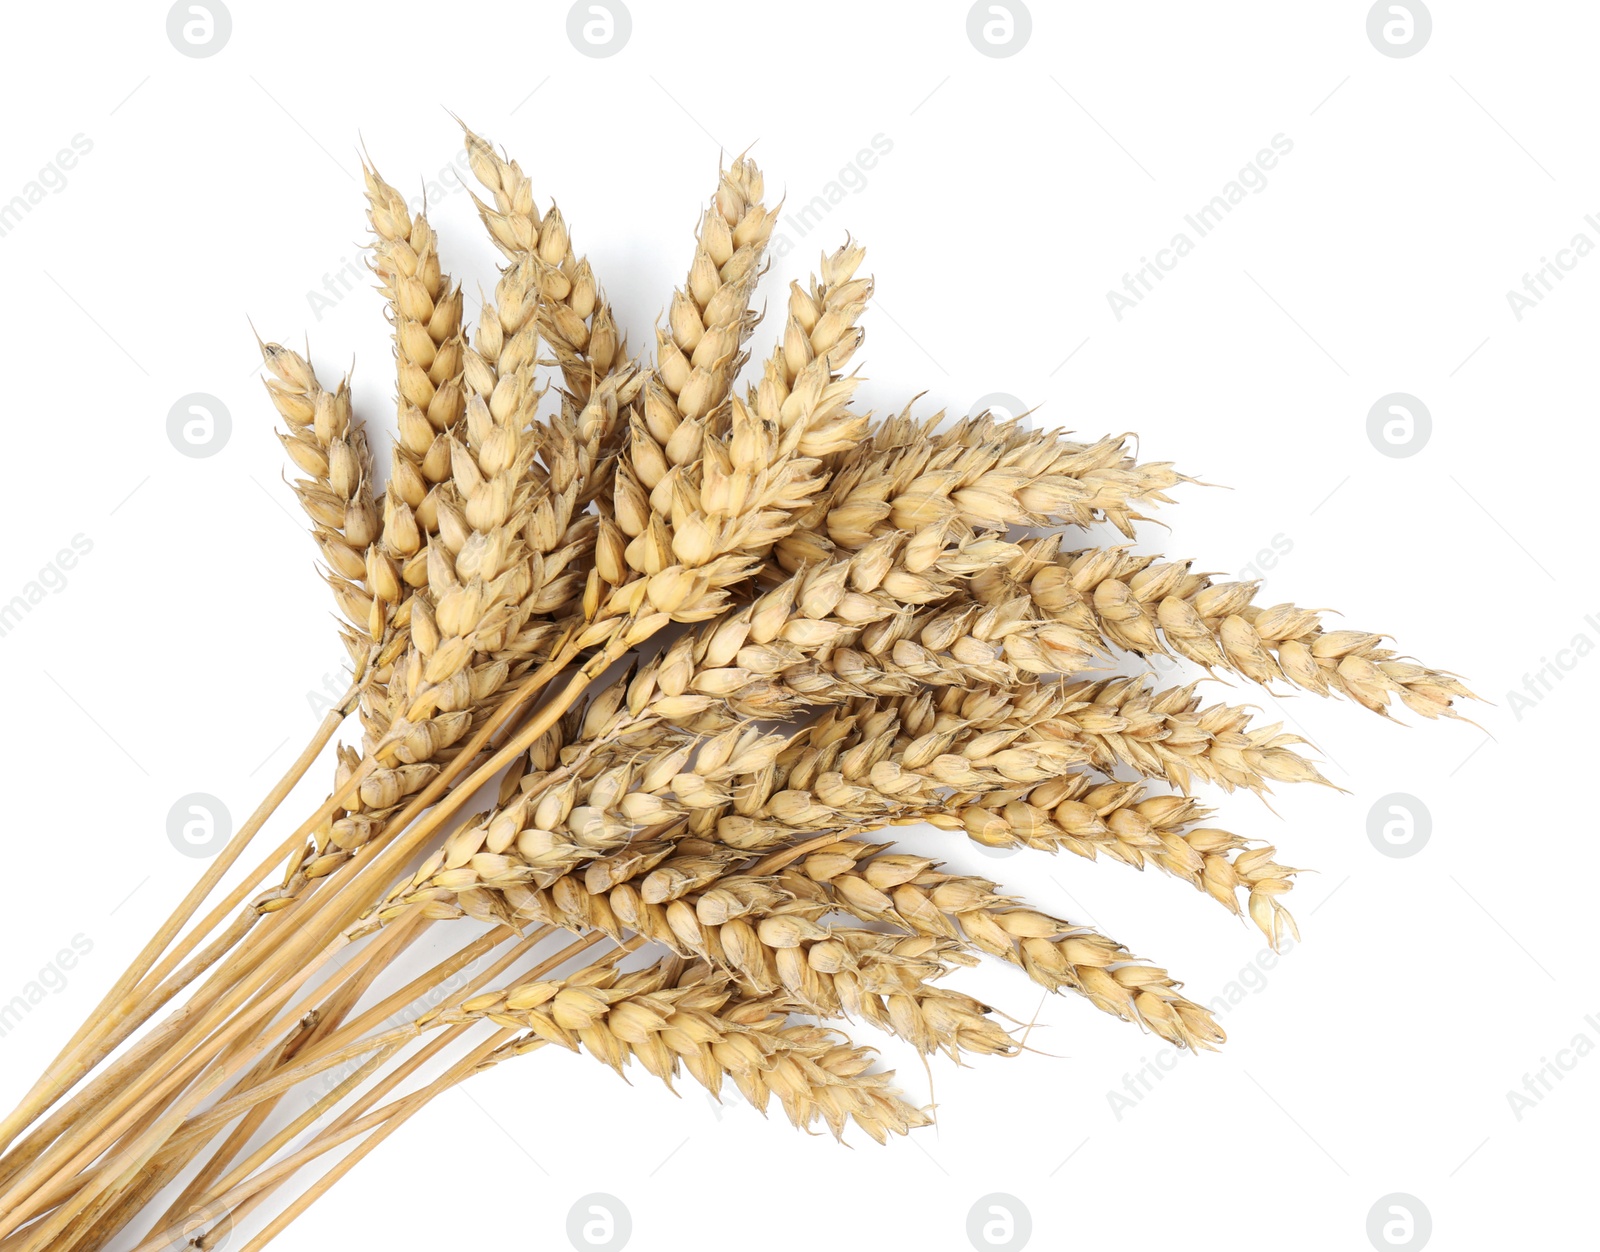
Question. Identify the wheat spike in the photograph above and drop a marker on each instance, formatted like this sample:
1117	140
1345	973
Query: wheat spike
670	1018
326	441
1149	606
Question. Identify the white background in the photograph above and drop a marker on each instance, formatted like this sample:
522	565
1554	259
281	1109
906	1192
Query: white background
1376	1057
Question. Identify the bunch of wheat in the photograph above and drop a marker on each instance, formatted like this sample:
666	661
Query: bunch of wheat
646	662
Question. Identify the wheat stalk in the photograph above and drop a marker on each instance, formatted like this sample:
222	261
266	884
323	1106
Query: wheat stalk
766	553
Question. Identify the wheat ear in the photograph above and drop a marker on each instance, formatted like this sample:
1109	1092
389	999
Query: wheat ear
1150	606
668	1017
572	313
911	892
987	474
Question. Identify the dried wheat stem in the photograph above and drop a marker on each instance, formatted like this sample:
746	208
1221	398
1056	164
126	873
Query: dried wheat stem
251	973
839	1063
321	1058
503	718
354	1040
72	1064
192	1214
357	1109
68	1157
131	1194
161	985
382	1123
110	1085
63	1185
290	963
367	840
423	982
200	1127
322	1022
180	1215
283	897
357	895
165	1166
96	1094
113	1085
